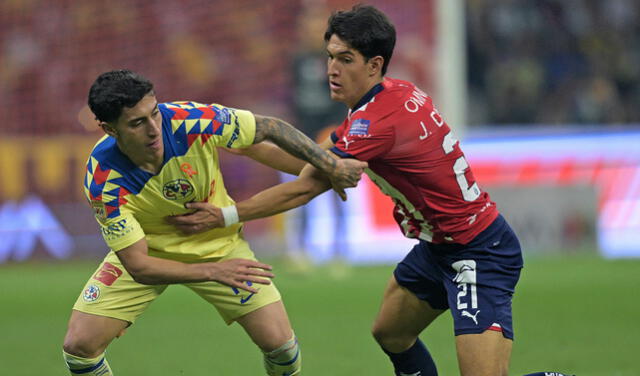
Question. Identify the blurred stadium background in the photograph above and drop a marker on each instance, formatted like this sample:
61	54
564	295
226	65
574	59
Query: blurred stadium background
544	96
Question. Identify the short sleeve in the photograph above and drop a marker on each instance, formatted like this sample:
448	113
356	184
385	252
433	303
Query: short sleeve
121	231
363	139
241	131
212	124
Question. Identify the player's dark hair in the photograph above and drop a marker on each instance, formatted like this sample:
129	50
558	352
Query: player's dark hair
114	90
365	29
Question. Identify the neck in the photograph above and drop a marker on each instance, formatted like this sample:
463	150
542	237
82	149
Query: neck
146	162
371	85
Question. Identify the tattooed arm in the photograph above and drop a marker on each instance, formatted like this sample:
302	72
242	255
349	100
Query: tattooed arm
342	174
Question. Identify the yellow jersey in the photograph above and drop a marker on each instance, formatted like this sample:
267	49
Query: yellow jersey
130	203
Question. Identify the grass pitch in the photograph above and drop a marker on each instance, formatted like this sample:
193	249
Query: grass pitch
576	315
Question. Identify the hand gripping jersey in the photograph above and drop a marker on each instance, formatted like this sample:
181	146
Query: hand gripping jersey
130	203
414	159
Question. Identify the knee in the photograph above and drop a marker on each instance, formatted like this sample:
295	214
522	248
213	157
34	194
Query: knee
379	333
391	340
80	346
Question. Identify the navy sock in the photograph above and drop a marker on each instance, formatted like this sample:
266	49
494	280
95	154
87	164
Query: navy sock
546	374
416	361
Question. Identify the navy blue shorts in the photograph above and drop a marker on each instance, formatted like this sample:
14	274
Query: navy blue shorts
476	280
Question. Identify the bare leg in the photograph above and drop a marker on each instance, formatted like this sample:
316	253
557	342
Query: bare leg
485	354
268	326
89	335
402	318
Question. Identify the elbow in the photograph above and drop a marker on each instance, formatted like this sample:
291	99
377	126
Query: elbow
142	279
140	274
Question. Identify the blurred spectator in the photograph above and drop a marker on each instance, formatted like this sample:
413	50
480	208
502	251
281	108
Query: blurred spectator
314	112
311	101
554	61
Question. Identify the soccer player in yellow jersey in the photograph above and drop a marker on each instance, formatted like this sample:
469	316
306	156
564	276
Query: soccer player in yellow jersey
154	159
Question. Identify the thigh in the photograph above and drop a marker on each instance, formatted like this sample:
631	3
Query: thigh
268	326
230	302
420	274
480	281
485	354
402	317
112	292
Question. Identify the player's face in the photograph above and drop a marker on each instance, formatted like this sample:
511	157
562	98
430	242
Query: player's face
350	74
138	130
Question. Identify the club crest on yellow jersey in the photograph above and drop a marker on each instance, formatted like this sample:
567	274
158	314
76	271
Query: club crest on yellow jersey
177	190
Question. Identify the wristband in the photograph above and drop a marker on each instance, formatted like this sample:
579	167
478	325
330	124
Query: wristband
230	215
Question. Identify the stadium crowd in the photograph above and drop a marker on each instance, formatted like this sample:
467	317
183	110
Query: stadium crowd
554	61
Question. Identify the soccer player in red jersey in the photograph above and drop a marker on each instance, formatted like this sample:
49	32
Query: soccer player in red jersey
467	259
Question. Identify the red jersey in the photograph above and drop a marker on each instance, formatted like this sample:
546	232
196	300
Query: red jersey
414	159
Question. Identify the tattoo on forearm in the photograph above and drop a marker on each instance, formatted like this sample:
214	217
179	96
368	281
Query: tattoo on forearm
293	142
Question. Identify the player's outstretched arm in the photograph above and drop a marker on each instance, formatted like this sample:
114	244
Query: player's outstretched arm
274	200
285	196
151	270
342	175
271	155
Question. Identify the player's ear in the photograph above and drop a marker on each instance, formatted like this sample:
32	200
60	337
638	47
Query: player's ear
375	65
109	129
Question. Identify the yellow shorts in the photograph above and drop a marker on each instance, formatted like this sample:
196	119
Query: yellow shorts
112	292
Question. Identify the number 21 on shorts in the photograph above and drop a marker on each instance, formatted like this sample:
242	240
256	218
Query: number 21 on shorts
466	280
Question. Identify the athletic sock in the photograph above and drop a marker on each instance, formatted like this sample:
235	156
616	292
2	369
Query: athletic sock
416	361
97	366
546	374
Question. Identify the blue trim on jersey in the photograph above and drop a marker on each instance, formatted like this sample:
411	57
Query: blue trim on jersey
109	156
194	113
88	369
334	137
209	129
340	153
176	143
367	97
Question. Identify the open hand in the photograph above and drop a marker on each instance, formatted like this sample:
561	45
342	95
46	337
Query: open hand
237	272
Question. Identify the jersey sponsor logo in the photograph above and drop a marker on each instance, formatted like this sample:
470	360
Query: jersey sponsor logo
223	116
99	210
91	293
187	169
235	135
419	373
359	127
108	274
177	189
114	228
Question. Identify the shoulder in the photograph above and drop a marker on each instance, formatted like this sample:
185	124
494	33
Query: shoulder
110	175
403	100
210	118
